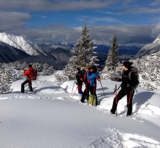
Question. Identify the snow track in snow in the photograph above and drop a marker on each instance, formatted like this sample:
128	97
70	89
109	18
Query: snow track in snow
118	139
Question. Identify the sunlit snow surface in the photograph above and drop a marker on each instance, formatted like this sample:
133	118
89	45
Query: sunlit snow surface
52	117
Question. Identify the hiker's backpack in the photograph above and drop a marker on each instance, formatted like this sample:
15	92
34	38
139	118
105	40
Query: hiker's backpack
34	74
92	100
135	81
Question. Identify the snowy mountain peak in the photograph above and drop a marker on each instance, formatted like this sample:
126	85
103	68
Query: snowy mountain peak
157	40
149	48
20	43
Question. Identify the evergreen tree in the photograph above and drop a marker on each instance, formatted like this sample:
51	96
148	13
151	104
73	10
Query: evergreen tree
111	64
82	54
6	80
47	70
112	60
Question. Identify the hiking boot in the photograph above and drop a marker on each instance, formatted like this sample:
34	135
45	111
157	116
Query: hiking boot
81	93
112	112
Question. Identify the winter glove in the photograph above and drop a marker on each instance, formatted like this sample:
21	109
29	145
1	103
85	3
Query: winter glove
81	79
98	78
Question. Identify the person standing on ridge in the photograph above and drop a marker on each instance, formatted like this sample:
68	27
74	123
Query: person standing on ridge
85	94
79	78
93	75
29	74
126	88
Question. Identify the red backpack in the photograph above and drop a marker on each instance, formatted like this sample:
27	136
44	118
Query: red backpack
34	74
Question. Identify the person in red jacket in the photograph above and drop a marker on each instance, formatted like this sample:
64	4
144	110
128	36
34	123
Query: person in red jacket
28	73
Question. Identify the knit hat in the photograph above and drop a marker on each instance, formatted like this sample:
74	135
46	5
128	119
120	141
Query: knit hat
127	64
94	68
78	68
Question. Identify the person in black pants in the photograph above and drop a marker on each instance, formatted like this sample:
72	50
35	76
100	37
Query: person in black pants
126	88
28	73
85	94
29	86
79	78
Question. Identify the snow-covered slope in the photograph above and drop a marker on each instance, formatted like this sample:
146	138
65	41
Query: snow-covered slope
52	118
149	48
22	44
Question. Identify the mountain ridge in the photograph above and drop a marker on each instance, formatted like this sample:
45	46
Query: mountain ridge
10	54
22	44
149	48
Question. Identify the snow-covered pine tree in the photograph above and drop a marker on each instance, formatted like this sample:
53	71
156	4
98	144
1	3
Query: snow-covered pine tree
83	54
112	60
6	80
47	70
38	67
111	63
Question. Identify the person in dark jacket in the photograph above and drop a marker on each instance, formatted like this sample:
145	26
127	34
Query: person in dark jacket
28	73
79	78
126	88
85	94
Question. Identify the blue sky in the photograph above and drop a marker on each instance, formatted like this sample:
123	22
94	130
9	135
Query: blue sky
117	13
135	22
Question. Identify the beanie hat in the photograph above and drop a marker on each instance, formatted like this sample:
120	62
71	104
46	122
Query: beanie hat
78	69
29	65
127	64
94	68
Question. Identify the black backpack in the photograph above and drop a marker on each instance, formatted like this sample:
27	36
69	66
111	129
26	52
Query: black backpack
135	81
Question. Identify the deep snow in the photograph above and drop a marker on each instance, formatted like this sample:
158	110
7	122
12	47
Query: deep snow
52	117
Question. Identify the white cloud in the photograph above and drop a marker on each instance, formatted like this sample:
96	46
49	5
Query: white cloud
148	10
125	2
142	10
156	30
155	3
44	16
126	34
91	20
13	20
56	5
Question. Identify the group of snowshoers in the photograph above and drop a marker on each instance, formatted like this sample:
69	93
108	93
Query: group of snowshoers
89	77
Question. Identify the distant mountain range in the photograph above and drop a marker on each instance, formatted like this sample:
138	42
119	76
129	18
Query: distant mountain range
149	48
122	50
13	48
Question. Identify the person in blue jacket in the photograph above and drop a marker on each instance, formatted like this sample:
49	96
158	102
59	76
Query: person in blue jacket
93	75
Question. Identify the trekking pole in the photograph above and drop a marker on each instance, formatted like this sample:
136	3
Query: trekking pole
102	87
115	90
129	99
